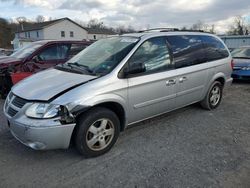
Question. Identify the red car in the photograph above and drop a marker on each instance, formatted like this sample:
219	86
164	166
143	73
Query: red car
35	57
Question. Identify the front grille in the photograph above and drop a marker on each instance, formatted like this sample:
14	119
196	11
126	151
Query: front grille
14	104
19	102
11	111
10	95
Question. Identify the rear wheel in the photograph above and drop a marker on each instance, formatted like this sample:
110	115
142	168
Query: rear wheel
213	97
97	131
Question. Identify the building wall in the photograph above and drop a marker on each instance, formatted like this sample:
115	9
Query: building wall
97	36
34	35
237	41
54	31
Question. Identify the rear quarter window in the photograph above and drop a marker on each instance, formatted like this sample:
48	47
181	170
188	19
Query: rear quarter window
214	48
187	50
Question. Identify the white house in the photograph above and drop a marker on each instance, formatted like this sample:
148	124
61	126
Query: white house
60	29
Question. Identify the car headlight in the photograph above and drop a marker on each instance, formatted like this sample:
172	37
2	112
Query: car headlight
43	110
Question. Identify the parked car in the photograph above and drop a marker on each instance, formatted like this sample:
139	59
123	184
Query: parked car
241	68
5	52
117	82
35	57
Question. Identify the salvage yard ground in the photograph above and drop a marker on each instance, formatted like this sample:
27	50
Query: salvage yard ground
190	147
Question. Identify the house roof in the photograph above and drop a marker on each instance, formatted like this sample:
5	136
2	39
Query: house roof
100	31
30	26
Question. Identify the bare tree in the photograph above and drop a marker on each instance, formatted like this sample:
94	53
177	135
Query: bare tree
40	19
212	29
122	29
239	23
184	28
238	27
199	25
95	23
21	19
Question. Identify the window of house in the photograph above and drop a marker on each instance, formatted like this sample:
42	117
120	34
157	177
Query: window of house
62	33
37	34
29	34
94	37
71	34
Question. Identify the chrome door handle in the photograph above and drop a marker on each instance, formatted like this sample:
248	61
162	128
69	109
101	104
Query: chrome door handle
183	79
170	82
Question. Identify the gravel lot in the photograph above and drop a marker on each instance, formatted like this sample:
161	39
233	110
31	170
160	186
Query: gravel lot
190	147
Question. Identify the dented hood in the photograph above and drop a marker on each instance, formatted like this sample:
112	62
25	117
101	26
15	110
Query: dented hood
5	61
45	85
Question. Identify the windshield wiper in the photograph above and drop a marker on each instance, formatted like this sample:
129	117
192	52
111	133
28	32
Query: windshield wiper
71	68
78	67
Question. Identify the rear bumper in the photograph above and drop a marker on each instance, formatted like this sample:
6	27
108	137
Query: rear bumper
228	82
43	138
241	74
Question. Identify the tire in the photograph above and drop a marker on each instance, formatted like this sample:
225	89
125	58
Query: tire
210	103
96	132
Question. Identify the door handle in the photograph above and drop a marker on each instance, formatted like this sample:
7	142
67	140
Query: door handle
170	82
183	79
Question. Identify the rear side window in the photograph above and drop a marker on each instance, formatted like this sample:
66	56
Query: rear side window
75	49
214	48
54	52
187	50
50	53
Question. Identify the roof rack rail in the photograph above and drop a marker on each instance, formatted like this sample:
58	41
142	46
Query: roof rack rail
171	30
194	30
159	29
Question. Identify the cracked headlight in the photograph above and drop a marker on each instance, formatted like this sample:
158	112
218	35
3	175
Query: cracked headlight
43	110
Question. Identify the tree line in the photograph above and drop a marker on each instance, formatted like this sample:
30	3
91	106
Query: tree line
240	26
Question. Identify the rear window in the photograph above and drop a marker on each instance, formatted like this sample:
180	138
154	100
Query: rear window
214	48
187	50
241	53
76	48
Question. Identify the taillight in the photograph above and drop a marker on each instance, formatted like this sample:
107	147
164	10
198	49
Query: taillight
232	64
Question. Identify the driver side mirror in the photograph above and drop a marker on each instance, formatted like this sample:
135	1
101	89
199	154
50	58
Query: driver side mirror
135	69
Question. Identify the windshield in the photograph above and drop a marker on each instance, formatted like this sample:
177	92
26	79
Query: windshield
25	51
103	56
241	53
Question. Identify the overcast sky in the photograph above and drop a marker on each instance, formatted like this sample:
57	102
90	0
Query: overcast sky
138	13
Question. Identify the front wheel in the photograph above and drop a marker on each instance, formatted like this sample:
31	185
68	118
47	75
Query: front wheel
213	97
97	131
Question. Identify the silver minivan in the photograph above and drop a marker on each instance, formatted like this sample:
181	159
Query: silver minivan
117	82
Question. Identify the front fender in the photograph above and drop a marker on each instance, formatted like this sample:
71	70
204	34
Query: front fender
104	98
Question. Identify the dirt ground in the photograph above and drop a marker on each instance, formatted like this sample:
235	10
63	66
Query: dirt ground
190	147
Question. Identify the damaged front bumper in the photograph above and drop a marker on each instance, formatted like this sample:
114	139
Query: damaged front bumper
54	136
39	134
